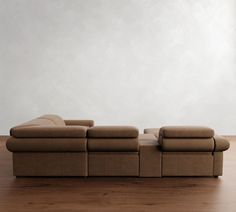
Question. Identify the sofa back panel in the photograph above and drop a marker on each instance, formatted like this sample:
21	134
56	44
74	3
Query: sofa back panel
57	120
187	164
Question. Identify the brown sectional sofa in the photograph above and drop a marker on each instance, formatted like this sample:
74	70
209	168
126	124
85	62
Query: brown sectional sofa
51	146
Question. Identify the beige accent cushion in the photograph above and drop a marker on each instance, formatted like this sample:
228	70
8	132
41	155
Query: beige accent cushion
187	145
47	144
113	132
186	132
113	145
49	132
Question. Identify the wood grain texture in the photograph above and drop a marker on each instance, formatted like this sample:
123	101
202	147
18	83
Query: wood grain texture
118	194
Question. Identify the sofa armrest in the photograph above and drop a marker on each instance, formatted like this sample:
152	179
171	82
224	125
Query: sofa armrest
87	123
49	132
221	143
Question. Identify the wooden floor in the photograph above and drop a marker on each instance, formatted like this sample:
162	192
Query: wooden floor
118	194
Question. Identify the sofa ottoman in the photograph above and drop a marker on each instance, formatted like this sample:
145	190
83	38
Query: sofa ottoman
113	151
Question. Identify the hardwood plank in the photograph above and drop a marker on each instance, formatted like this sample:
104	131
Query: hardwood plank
118	194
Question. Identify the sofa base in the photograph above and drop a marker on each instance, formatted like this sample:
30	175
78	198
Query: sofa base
50	164
113	164
187	164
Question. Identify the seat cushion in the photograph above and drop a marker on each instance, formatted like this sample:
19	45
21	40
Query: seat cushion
187	144
49	132
186	132
47	144
113	132
113	145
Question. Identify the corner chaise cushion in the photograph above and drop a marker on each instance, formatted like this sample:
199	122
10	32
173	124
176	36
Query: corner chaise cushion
113	132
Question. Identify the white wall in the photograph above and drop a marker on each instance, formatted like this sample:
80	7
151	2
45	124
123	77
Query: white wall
140	62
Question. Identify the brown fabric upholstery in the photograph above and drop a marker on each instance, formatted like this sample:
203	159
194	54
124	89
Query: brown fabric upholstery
187	164
113	132
113	164
47	144
113	145
188	144
186	132
221	143
49	132
149	156
50	164
87	123
154	131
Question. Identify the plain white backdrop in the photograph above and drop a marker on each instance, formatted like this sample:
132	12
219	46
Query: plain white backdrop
146	63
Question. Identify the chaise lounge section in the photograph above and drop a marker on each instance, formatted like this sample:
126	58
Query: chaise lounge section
51	146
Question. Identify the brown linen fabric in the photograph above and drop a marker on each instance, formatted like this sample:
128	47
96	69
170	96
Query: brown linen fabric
221	143
113	144
187	144
113	132
113	164
149	156
186	132
47	144
50	164
187	164
87	123
49	132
